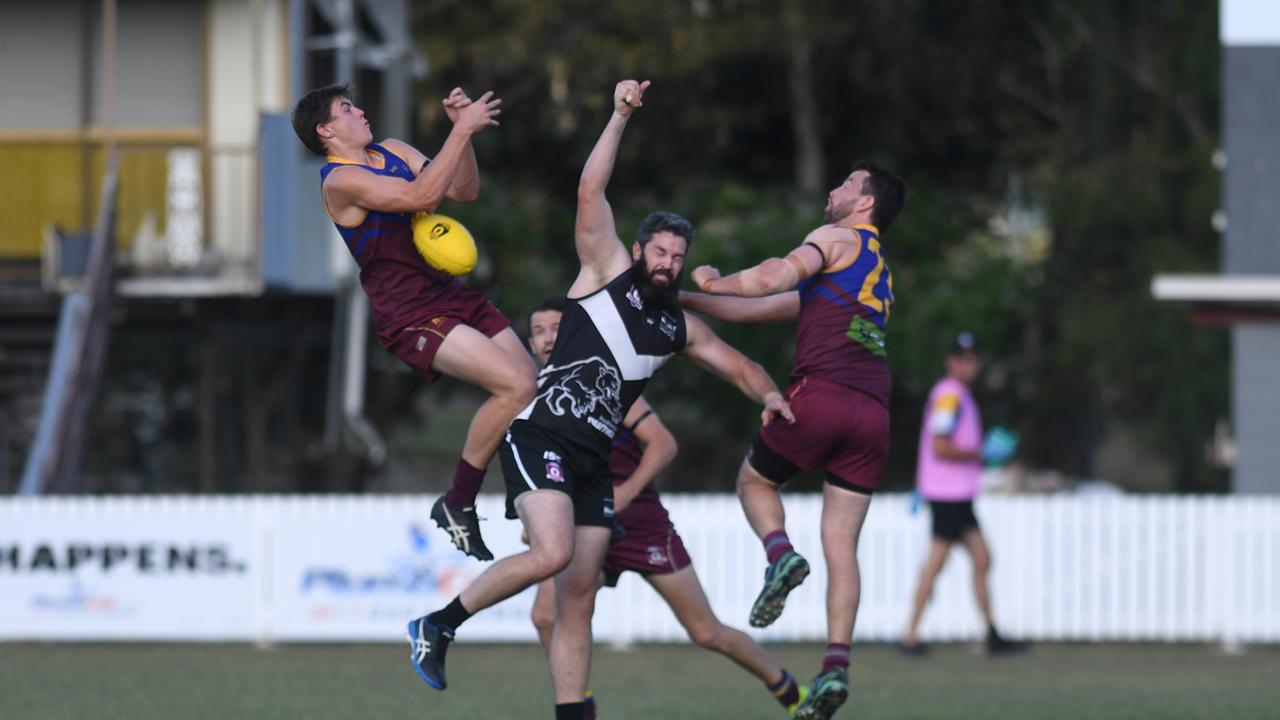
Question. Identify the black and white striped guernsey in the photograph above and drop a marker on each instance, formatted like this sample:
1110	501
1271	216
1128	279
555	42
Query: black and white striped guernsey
608	346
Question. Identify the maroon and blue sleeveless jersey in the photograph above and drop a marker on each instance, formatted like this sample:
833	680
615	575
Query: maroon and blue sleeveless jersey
843	316
400	285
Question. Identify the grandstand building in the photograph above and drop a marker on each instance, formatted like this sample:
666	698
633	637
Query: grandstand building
234	317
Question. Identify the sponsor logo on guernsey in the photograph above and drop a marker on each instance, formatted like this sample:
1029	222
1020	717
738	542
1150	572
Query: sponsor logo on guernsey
656	555
603	426
667	325
550	456
633	295
865	333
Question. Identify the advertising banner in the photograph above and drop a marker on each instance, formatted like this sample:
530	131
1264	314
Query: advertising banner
361	569
105	568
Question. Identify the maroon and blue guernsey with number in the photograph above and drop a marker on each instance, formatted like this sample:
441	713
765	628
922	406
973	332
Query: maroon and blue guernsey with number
401	286
843	315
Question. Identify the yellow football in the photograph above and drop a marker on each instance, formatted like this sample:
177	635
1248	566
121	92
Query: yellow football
444	243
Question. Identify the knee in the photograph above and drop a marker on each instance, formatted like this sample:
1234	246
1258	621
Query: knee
575	602
706	635
936	569
982	565
518	388
550	560
524	388
544	619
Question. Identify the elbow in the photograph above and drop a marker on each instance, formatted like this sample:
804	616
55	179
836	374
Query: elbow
775	276
427	202
466	194
670	449
662	446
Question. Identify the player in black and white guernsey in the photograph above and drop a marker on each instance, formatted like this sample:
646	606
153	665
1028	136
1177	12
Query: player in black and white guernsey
621	323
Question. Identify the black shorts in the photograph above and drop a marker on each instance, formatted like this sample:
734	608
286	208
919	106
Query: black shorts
535	459
952	519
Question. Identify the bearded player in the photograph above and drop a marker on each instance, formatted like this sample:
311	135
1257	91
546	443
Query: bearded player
430	321
621	323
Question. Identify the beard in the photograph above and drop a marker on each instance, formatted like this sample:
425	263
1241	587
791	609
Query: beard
653	294
836	213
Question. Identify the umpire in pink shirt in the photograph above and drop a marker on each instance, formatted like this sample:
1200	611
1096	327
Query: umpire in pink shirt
949	476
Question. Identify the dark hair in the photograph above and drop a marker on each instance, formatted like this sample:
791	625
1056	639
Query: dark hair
663	221
888	189
554	302
315	108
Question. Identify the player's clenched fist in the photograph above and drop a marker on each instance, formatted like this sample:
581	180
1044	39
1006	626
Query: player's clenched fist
704	274
626	96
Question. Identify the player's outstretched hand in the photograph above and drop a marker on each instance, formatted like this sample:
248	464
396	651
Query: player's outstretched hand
704	274
477	114
776	406
456	101
627	95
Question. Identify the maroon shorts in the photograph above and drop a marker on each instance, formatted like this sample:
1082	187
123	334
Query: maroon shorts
837	428
651	545
417	343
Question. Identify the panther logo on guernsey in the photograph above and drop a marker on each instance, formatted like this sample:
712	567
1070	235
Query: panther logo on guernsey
589	390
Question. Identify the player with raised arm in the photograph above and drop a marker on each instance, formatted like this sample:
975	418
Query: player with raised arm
837	285
621	323
650	545
430	321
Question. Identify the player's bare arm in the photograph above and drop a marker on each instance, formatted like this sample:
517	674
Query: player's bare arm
659	450
781	307
595	235
465	187
826	247
466	183
350	191
459	190
717	356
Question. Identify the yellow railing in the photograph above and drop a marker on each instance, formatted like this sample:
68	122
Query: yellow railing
56	178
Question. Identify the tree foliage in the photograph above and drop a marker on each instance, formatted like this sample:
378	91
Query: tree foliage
1058	155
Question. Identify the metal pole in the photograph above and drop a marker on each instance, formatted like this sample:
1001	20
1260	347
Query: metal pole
109	74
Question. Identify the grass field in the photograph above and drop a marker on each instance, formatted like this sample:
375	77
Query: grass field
668	681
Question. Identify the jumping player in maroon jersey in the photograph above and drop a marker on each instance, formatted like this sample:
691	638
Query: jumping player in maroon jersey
837	286
433	322
650	545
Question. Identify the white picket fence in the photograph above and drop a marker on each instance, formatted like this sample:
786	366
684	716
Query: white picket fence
355	568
